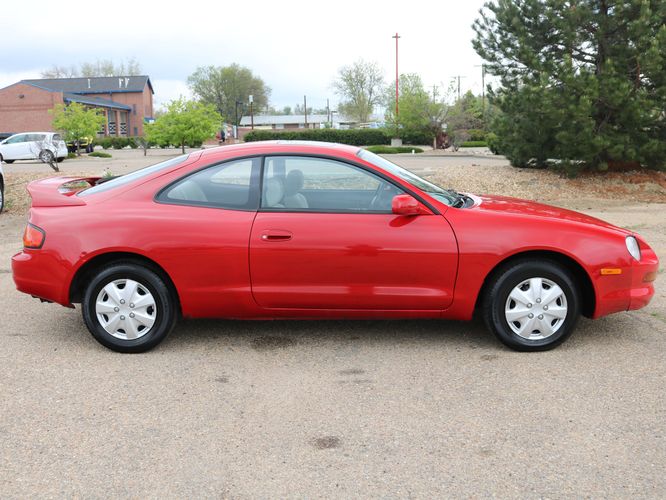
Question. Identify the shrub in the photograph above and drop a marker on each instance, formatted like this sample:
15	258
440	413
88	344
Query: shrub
476	134
474	144
105	142
71	156
354	137
416	137
99	154
388	150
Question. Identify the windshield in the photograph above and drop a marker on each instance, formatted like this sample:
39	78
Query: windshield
137	174
446	196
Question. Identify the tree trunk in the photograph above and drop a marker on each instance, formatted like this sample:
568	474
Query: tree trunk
182	146
78	148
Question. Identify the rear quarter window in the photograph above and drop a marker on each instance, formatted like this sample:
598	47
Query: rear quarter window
134	176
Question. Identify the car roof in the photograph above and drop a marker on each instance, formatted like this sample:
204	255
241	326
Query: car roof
33	132
284	147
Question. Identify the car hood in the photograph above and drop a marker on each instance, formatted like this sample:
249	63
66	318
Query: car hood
526	208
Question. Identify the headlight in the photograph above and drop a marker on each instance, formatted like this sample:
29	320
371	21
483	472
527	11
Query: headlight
632	246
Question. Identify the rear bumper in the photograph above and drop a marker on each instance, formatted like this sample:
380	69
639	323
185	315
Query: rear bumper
40	275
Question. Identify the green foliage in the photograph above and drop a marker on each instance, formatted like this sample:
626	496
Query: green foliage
185	123
222	87
388	150
99	154
474	144
354	137
585	85
116	142
76	121
71	156
420	117
359	87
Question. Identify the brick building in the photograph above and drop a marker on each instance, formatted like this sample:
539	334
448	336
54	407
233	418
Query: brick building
127	102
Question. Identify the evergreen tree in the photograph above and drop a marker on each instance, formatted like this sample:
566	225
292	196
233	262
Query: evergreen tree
583	81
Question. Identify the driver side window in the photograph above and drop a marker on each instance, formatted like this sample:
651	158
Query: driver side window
308	184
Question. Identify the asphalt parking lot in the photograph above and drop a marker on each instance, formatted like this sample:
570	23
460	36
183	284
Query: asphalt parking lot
335	408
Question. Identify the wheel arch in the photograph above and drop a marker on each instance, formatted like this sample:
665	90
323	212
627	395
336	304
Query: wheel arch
583	279
84	273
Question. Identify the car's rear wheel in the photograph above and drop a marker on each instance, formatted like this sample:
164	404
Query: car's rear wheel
46	156
128	308
2	195
8	161
532	305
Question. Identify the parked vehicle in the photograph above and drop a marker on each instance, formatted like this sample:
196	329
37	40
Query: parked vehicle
86	145
45	146
316	230
2	188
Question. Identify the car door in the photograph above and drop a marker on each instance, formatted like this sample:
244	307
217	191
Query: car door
325	238
14	147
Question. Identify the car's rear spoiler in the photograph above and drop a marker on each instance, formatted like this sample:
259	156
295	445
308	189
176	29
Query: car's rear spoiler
59	191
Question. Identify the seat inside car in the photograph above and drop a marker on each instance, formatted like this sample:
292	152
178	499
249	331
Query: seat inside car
273	192
293	198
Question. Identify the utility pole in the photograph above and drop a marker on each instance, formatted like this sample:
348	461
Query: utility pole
458	77
396	36
483	89
434	92
305	110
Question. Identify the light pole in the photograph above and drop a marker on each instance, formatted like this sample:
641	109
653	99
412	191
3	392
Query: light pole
251	99
396	36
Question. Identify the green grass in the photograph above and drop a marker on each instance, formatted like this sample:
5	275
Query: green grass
99	154
389	150
474	144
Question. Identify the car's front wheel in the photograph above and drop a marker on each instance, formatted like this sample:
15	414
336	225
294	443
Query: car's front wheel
128	308
532	305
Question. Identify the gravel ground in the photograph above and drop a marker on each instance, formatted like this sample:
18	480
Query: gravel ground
338	408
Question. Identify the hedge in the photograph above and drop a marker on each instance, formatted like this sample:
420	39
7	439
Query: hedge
116	142
353	137
474	144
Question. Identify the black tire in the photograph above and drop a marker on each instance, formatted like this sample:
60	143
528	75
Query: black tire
8	161
60	159
90	148
496	302
165	307
46	156
2	195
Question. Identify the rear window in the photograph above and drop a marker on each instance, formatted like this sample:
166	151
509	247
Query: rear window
131	177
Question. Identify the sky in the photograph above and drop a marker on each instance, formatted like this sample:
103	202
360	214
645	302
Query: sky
296	47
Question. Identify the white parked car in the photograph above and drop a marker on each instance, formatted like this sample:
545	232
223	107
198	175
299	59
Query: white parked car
2	188
45	146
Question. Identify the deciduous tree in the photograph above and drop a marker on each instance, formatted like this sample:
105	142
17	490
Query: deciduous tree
223	87
360	87
75	122
184	122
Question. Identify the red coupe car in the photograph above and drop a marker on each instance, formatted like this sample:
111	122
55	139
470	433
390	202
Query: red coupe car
315	230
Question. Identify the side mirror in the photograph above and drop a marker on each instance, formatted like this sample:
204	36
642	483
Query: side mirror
405	204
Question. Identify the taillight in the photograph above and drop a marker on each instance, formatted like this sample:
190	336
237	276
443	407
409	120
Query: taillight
33	237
